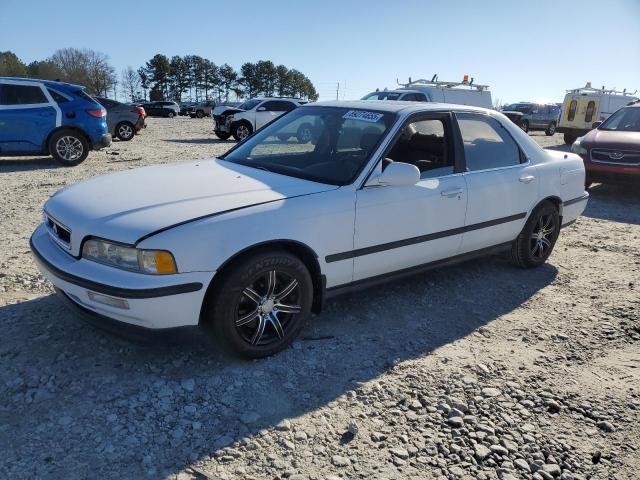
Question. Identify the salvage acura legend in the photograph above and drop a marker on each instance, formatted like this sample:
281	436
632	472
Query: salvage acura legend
248	244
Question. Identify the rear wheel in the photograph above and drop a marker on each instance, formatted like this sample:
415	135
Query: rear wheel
125	131
68	147
537	238
551	129
261	303
304	133
199	114
171	115
222	135
569	138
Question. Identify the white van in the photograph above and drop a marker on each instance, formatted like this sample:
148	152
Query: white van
583	106
460	93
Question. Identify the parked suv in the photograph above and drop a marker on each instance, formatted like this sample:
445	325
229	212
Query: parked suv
123	121
202	109
161	109
243	120
40	117
611	151
531	116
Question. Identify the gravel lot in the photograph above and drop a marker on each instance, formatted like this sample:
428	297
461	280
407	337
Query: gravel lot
479	371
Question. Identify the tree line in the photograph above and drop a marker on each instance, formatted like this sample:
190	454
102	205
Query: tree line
189	77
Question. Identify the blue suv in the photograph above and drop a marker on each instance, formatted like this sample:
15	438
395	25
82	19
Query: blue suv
41	117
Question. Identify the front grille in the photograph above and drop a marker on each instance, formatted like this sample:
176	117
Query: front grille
58	231
616	157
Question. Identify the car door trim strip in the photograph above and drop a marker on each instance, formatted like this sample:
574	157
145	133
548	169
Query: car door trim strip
421	239
576	200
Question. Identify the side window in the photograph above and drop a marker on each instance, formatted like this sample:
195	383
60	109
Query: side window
486	143
572	110
420	97
275	106
588	115
409	97
425	144
21	95
59	98
288	106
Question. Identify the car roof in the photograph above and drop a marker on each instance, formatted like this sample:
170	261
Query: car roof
393	106
49	83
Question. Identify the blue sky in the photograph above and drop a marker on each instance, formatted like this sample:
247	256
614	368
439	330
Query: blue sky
523	50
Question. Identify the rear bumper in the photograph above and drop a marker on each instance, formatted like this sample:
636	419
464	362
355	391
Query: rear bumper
140	124
103	141
578	132
146	301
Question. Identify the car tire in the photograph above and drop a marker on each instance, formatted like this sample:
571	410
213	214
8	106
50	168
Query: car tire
524	125
551	129
242	313
569	138
222	136
199	114
171	114
125	131
68	147
537	238
241	131
304	133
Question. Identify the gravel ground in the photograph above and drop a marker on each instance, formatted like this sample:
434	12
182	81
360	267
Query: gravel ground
479	371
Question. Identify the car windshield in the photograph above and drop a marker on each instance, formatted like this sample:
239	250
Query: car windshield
382	96
518	107
626	119
248	105
324	144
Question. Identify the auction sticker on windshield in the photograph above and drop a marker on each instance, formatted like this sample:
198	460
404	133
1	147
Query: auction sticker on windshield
372	117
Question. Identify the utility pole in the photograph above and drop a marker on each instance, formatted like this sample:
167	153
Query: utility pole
338	91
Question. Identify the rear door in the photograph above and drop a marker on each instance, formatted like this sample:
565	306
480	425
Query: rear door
502	186
27	115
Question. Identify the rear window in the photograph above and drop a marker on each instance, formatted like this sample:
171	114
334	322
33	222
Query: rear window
83	95
58	97
21	95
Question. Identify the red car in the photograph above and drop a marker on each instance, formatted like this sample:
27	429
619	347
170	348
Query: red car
611	151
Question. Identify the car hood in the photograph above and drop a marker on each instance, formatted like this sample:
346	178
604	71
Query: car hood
611	139
226	110
127	206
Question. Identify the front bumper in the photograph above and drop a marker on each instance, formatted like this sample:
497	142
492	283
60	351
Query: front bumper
104	141
152	301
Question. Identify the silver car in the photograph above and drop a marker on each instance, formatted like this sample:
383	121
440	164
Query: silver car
123	120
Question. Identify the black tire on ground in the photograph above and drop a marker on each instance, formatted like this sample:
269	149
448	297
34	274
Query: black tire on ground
171	114
551	129
222	136
569	138
240	313
199	114
304	133
241	131
125	131
283	137
524	125
68	147
537	238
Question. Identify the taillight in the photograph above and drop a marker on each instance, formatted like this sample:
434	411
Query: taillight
97	112
140	111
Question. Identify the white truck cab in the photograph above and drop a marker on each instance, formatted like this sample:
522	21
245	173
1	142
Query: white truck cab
460	93
583	106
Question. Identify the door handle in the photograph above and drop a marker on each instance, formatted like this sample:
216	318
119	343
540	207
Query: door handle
527	178
451	193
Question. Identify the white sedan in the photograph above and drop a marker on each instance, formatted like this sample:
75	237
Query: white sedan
249	244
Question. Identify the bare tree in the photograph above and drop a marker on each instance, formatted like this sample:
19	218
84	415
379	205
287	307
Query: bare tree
86	67
130	81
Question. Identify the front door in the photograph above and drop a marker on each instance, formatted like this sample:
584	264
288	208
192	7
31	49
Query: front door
502	186
26	117
399	227
269	111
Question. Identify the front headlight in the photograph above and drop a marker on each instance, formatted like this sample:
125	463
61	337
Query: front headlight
158	262
578	148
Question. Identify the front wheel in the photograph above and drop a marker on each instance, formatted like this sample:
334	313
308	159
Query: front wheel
241	131
537	238
171	115
222	135
261	304
68	147
199	114
125	131
551	129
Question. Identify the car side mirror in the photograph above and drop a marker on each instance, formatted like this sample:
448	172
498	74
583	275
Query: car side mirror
596	124
261	109
399	173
